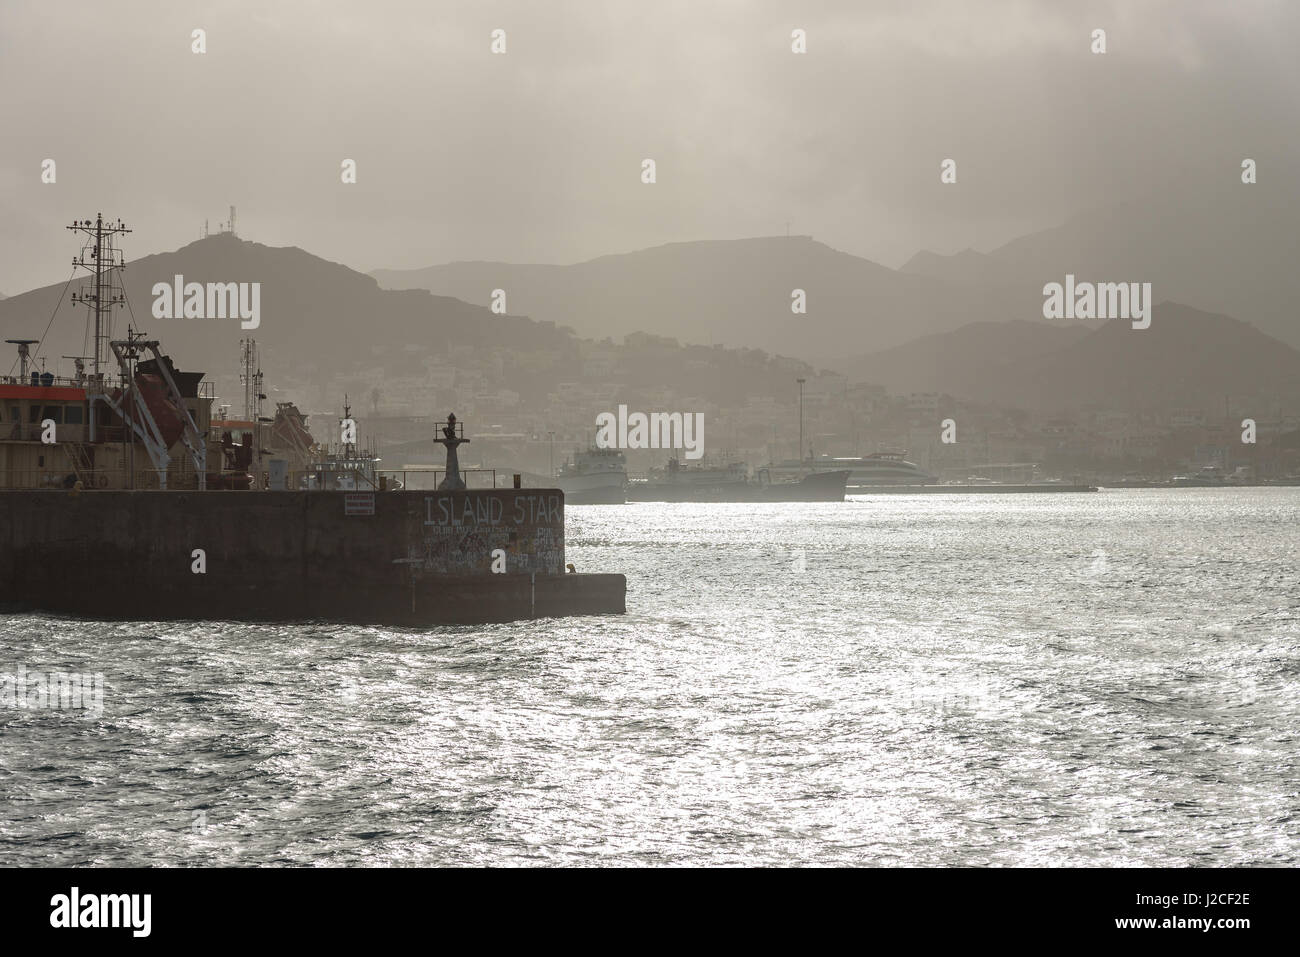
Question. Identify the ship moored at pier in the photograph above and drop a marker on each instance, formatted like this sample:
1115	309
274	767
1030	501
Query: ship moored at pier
595	476
122	498
732	482
878	468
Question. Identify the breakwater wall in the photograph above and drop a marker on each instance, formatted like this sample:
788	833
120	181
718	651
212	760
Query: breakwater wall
375	557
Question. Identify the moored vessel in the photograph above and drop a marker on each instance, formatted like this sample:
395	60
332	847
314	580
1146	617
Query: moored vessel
119	499
732	482
878	468
881	468
594	476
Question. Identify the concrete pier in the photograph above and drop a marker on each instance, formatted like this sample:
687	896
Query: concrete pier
965	489
408	558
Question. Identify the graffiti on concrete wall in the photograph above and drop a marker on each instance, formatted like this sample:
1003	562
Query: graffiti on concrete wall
485	508
461	530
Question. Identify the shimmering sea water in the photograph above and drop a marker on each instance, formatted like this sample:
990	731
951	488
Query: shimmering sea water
975	680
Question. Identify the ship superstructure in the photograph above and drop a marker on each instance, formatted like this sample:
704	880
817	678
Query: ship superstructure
594	476
129	418
344	466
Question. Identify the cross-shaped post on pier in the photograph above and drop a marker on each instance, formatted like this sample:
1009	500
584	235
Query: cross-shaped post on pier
453	435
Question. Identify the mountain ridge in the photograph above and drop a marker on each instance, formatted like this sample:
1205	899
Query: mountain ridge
734	291
1225	254
323	322
1187	357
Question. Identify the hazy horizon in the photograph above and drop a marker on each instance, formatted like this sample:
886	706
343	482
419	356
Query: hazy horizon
534	156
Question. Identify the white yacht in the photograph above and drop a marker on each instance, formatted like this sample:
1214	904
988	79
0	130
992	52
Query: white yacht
1207	476
731	482
879	468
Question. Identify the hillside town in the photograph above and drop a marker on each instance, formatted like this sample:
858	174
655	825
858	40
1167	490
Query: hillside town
530	411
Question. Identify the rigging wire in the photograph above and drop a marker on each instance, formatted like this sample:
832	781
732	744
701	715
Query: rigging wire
40	345
128	303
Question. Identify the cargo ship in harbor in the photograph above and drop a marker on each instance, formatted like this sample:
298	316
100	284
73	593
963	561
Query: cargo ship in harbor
594	476
732	482
122	498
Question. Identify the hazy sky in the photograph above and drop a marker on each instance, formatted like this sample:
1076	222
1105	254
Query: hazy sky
535	155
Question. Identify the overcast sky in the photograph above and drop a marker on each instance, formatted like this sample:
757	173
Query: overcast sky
535	155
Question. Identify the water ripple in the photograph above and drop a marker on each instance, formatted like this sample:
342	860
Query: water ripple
996	680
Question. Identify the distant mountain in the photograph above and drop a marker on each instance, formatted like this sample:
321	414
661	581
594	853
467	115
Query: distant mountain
1229	252
959	362
965	266
312	311
1186	358
736	292
321	320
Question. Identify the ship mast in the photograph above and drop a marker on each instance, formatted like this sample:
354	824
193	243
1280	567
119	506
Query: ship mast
102	293
349	448
251	376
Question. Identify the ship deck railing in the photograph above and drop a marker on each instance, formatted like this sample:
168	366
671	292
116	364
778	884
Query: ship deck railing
88	382
92	385
379	480
65	432
58	380
428	479
61	474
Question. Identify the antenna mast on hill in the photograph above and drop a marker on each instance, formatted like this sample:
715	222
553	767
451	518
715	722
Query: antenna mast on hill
102	259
